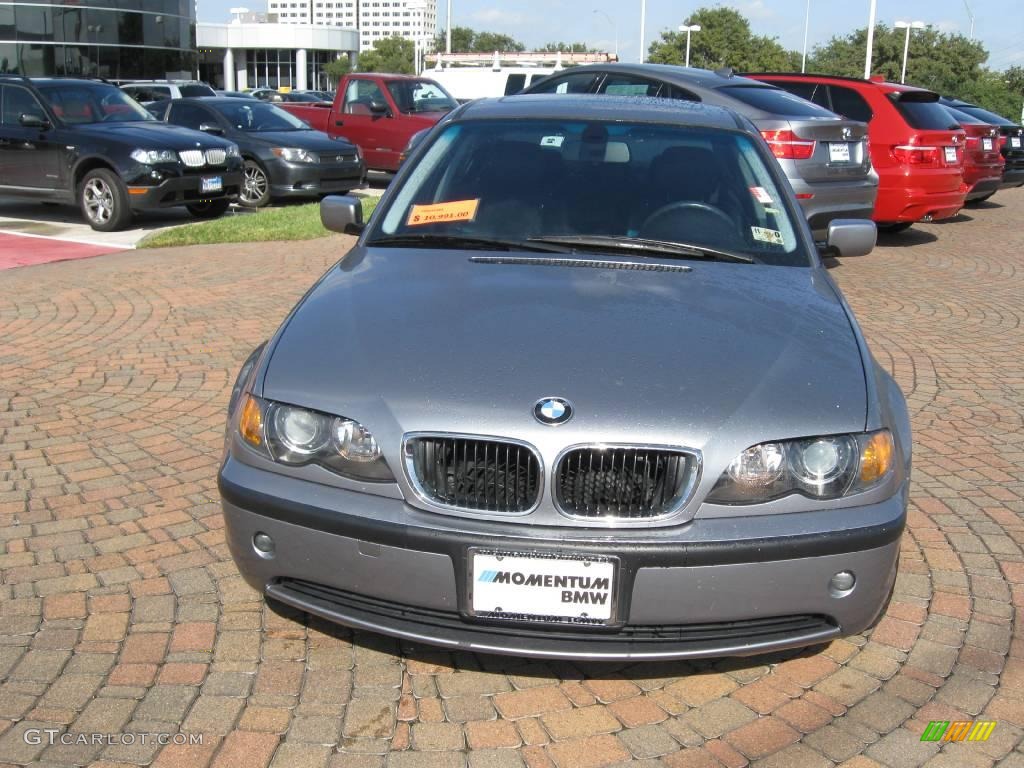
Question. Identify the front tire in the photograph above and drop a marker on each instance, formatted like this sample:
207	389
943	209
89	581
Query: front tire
892	227
255	192
212	209
103	200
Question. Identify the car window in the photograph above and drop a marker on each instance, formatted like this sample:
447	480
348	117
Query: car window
514	84
923	111
254	116
85	103
627	85
516	179
577	82
775	100
680	94
848	103
18	101
196	90
984	115
413	96
359	94
963	118
189	115
816	92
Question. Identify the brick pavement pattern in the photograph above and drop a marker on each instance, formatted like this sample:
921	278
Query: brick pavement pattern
121	611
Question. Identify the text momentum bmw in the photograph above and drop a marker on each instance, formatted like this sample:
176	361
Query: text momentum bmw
566	397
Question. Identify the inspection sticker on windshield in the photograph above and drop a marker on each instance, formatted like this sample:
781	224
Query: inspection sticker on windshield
443	213
772	236
552	141
761	195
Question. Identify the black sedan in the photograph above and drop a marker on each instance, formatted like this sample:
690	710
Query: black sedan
284	157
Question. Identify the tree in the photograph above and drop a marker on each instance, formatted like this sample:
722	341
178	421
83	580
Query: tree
393	55
466	40
725	40
568	48
338	68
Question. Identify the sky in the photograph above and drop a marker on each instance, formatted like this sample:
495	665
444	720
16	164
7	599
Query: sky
999	24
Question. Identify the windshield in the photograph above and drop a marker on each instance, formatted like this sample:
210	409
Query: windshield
421	96
85	103
255	116
198	90
922	112
513	180
985	116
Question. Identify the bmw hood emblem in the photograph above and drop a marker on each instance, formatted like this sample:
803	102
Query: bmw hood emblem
552	411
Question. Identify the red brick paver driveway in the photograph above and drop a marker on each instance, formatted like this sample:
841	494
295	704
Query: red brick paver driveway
121	612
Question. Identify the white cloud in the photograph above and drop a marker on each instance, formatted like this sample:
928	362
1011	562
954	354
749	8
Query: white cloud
755	9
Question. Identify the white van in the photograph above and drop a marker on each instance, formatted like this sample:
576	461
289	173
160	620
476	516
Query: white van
468	83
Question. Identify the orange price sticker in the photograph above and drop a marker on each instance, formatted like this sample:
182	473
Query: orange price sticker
443	213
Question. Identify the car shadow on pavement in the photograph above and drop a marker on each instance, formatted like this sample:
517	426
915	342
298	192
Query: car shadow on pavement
908	238
958	219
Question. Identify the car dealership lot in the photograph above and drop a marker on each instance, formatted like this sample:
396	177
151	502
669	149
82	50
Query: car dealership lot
121	611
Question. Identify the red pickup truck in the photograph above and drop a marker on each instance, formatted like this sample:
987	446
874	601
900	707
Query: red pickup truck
379	113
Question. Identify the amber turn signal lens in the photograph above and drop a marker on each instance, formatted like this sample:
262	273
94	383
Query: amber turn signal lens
876	457
250	426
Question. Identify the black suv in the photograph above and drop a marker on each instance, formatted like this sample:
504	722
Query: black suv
87	142
1011	141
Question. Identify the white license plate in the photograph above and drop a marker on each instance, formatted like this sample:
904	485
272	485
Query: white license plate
839	152
950	154
527	587
1015	142
986	145
211	184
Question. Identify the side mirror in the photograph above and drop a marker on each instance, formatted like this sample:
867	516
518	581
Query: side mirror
211	128
30	120
342	213
851	237
378	107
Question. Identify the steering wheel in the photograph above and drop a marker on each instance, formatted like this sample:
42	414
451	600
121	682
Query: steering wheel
664	214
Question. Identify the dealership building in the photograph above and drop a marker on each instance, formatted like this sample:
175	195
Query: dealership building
114	39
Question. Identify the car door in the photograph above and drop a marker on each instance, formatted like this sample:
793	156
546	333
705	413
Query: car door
30	158
373	132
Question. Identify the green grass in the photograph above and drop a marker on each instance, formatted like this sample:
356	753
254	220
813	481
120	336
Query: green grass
289	222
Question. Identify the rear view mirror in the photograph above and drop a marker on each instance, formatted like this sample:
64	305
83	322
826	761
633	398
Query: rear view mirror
30	120
342	213
211	128
851	237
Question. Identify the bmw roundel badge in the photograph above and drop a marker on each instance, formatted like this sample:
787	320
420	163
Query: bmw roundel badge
552	411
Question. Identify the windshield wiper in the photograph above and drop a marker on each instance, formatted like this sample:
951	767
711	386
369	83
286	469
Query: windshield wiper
467	242
643	247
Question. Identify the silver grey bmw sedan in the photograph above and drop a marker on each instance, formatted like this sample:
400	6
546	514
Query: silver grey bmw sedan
582	389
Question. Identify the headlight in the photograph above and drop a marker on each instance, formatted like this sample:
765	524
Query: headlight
298	436
153	156
293	155
233	151
817	467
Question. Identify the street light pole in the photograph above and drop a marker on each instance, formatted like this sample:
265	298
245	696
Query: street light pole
908	25
615	27
643	29
971	15
448	31
807	23
871	39
688	28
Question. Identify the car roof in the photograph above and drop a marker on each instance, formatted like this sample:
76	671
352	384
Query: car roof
814	78
589	107
694	76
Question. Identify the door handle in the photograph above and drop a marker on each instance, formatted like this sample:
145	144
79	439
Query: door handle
339	122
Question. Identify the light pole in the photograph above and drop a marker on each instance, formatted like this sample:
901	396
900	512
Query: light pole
643	29
615	27
688	28
448	30
871	39
807	24
907	25
971	14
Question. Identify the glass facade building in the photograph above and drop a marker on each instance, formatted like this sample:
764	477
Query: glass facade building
113	39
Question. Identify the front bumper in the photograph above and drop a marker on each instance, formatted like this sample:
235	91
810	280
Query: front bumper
312	179
712	587
184	190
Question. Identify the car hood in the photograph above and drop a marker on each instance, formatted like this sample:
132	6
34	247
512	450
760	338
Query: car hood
718	358
315	141
153	135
